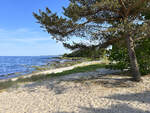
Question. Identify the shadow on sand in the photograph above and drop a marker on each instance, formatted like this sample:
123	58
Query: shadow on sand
105	81
52	85
143	97
119	108
108	81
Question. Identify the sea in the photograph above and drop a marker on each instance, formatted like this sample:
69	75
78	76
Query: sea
13	66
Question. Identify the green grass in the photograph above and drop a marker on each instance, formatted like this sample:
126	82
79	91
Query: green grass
8	84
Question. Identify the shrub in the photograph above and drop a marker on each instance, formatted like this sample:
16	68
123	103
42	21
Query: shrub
120	56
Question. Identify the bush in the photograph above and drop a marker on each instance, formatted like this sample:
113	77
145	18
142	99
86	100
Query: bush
119	54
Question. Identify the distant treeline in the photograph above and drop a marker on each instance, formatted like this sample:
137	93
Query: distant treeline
89	53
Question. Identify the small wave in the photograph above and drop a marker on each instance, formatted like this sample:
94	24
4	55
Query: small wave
16	66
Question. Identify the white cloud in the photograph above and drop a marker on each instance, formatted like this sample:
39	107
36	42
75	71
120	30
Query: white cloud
22	30
23	35
25	41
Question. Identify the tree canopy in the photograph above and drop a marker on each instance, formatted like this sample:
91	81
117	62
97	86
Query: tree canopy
100	23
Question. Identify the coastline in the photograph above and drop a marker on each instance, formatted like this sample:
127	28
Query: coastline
54	63
51	71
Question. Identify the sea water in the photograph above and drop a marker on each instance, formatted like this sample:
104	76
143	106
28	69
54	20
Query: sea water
13	66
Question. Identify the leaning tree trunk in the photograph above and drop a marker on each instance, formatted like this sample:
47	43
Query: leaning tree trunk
133	60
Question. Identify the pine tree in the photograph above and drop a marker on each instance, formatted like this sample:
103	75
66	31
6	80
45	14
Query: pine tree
100	23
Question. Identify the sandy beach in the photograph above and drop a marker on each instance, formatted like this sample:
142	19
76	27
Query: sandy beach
89	92
75	56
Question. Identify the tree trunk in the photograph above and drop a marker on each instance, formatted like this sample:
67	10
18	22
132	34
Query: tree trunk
133	60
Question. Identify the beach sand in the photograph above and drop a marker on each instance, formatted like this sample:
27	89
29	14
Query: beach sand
91	93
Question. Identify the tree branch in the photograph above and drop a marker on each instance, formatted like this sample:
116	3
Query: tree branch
123	6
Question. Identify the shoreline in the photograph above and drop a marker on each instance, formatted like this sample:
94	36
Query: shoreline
59	62
52	71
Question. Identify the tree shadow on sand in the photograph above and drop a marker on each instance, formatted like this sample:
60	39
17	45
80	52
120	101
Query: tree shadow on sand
64	112
109	81
119	108
52	85
104	81
57	87
143	97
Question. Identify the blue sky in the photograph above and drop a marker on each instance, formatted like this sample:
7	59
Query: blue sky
20	35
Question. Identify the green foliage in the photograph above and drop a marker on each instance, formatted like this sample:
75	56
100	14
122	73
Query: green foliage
121	58
99	22
143	56
88	53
